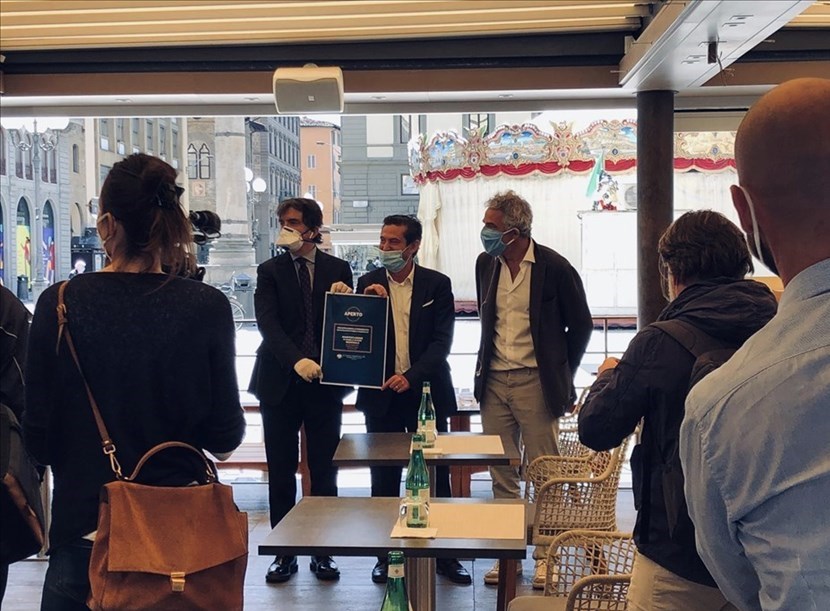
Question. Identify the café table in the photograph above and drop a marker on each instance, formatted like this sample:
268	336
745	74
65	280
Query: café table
456	450
362	526
452	450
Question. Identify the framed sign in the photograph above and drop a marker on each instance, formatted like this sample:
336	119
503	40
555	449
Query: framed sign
353	350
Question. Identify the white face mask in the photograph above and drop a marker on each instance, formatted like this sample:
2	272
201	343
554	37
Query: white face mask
761	250
98	225
290	239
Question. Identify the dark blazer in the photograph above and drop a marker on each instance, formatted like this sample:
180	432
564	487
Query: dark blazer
431	325
281	321
560	323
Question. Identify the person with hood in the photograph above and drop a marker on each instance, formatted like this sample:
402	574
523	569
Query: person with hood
703	260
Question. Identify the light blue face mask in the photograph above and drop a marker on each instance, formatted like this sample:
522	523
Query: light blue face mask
491	239
393	260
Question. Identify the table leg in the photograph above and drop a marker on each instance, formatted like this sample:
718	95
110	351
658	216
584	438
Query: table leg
420	581
507	584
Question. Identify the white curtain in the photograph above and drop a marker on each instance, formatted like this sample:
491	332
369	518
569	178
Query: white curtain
451	213
459	204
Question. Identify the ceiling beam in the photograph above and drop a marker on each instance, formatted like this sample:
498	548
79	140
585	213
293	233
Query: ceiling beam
690	42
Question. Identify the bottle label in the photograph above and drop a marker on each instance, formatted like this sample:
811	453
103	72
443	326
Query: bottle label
427	429
396	571
417	508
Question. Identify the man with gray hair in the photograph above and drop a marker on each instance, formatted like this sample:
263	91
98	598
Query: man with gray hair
535	326
756	433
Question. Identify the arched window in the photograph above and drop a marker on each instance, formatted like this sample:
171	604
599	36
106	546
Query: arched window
75	219
192	162
44	166
23	242
48	243
27	157
204	161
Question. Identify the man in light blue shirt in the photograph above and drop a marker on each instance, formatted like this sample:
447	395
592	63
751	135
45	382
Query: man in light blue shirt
755	442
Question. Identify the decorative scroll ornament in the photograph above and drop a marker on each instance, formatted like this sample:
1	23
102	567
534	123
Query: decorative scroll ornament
519	150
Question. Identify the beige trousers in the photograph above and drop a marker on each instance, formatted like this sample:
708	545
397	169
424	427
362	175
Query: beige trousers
654	588
513	405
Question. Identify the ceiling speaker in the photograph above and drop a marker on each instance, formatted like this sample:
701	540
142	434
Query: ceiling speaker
307	90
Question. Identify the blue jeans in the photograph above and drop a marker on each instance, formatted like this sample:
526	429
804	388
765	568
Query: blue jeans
66	586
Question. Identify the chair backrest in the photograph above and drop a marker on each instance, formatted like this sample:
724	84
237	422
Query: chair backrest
576	554
582	502
591	568
569	444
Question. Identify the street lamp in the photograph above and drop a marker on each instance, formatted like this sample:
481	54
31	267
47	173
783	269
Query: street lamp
27	136
255	187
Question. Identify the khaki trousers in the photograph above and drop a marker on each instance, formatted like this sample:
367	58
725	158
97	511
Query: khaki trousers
654	588
513	405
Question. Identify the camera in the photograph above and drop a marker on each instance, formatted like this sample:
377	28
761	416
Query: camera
206	226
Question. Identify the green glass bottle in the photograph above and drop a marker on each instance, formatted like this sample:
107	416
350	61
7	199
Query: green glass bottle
426	417
395	598
415	504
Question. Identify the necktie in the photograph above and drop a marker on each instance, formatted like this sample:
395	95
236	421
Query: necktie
308	346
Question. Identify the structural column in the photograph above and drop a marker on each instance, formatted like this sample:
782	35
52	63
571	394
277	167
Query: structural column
655	196
233	252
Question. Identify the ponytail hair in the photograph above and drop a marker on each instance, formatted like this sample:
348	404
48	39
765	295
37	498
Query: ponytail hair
141	192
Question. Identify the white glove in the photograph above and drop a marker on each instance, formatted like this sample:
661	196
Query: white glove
308	369
340	287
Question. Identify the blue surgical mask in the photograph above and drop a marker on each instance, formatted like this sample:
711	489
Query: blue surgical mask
491	239
393	260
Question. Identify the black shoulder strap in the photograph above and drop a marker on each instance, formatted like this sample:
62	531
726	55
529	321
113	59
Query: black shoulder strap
690	337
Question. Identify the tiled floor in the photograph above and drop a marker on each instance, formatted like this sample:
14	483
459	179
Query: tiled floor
353	592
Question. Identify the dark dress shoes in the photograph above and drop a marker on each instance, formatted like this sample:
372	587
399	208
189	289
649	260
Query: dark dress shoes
281	569
381	571
324	567
452	570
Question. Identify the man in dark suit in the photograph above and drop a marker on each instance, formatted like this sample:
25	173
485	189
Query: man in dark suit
535	326
289	302
419	338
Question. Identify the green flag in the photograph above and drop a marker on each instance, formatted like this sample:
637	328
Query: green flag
593	180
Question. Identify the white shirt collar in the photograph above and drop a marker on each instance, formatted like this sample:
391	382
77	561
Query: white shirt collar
530	257
407	280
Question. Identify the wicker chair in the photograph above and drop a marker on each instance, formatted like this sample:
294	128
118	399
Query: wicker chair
572	493
587	571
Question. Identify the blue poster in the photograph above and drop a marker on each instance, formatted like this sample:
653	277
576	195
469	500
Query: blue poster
354	340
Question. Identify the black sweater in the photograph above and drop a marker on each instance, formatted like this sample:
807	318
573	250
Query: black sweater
160	360
650	382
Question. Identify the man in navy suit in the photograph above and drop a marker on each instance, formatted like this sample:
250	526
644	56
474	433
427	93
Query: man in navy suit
419	338
289	300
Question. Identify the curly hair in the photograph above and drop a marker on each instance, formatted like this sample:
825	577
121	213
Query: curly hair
517	212
702	245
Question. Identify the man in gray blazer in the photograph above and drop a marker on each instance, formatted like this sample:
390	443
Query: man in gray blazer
535	326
